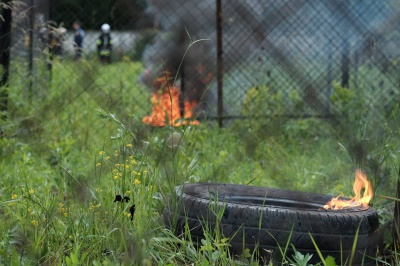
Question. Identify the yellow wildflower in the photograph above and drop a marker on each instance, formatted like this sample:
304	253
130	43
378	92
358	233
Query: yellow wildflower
98	164
62	209
129	145
115	177
35	223
92	206
31	191
108	157
136	181
101	152
14	196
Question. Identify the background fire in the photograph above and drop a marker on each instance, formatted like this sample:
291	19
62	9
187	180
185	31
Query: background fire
179	24
166	108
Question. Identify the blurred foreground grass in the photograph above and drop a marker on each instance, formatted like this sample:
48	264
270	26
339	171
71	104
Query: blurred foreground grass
67	151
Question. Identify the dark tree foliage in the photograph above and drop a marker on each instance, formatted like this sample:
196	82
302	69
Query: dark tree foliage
5	45
120	14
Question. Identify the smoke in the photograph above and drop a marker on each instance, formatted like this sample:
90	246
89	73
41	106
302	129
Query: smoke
181	22
263	41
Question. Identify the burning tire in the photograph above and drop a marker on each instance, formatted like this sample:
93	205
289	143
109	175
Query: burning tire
263	218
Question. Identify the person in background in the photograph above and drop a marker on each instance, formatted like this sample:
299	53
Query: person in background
78	39
104	44
56	39
52	38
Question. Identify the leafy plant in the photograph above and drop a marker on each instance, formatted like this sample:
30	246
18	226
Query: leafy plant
300	259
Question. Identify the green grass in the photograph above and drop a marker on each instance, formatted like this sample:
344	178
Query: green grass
69	148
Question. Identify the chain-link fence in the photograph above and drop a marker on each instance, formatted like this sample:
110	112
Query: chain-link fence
247	58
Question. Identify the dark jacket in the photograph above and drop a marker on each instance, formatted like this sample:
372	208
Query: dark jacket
78	38
104	44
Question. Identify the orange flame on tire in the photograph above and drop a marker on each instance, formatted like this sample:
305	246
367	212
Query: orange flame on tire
360	199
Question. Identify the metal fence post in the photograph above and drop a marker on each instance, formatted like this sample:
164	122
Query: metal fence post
219	63
30	63
182	94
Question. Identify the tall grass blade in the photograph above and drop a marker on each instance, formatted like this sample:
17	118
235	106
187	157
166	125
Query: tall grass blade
317	249
353	248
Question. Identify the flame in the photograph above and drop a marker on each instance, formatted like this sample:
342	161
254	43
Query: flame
166	109
361	182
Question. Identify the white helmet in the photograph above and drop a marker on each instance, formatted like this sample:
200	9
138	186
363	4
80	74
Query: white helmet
105	28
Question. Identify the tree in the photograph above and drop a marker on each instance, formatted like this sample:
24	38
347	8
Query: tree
120	14
5	46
